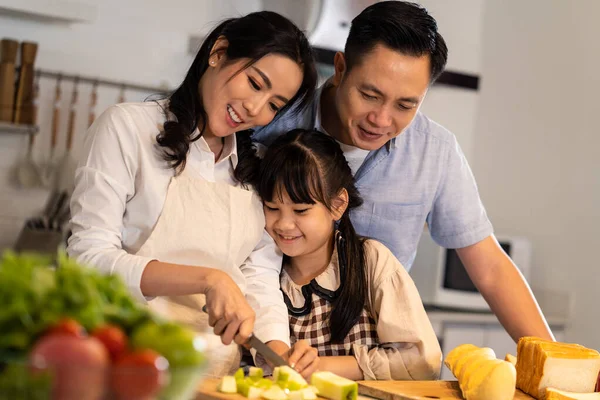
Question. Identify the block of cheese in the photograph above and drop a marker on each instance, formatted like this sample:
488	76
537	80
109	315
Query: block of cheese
555	394
542	364
481	376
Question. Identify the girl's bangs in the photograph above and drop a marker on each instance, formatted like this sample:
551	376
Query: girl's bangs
293	172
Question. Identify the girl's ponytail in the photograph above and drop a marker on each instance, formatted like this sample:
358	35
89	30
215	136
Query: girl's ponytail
353	293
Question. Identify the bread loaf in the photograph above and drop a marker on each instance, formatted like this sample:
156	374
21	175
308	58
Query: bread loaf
481	376
511	359
555	394
544	364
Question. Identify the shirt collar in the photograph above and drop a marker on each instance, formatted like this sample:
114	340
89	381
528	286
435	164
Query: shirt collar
229	148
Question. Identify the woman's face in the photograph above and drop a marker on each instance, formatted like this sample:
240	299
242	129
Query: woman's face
236	99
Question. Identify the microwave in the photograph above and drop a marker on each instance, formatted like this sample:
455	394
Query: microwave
442	280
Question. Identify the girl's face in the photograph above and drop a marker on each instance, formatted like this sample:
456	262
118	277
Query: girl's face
299	229
236	99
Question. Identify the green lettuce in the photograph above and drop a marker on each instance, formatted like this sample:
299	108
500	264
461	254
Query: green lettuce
36	292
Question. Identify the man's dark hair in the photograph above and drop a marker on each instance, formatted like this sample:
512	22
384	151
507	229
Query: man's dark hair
398	25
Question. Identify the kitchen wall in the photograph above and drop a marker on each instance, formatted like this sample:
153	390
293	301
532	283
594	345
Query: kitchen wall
536	147
461	24
138	41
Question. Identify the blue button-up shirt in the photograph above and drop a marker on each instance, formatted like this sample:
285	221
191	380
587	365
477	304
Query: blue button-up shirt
421	176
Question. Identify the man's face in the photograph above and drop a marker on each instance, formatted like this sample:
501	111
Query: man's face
379	97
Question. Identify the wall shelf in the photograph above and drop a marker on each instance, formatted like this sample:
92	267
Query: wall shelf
7	127
61	11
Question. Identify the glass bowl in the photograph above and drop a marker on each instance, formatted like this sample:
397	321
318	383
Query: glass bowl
34	380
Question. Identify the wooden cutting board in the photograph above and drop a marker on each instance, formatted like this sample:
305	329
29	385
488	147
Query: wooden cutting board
385	390
417	390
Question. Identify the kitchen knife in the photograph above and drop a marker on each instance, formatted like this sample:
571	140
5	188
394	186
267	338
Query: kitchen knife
262	349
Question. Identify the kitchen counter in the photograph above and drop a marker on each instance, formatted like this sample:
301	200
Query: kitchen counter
556	306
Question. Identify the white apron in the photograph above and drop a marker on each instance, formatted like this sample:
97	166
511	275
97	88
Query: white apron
211	225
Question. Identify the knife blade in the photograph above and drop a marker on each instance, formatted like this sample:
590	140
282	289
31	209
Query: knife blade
265	351
262	349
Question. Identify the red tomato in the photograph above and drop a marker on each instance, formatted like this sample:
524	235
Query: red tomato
67	326
113	338
78	365
139	375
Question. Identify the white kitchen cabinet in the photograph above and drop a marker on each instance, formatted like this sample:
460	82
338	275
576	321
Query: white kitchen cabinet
50	11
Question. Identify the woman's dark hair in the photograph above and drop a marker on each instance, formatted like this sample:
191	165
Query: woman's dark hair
405	27
310	167
250	37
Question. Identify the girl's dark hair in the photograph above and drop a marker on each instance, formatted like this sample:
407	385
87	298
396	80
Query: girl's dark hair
310	167
250	37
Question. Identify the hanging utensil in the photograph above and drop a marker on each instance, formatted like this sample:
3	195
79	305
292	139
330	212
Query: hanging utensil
49	172
28	173
66	167
93	102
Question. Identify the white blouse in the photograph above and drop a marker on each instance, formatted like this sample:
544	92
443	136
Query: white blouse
120	188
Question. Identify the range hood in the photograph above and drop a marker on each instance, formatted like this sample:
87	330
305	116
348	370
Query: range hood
327	24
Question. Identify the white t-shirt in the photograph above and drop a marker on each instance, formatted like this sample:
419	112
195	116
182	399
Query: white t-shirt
354	155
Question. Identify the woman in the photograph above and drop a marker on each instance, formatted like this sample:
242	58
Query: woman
162	192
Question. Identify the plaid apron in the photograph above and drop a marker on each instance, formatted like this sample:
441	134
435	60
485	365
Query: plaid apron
314	328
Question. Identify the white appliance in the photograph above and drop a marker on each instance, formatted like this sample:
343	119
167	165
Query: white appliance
326	22
442	280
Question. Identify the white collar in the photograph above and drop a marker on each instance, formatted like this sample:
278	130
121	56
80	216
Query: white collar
229	148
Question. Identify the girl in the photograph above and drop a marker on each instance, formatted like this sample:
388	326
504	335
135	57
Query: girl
161	194
348	296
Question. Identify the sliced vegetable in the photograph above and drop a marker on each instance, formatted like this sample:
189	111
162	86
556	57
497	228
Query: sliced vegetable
227	384
274	393
255	373
239	375
334	387
288	378
308	393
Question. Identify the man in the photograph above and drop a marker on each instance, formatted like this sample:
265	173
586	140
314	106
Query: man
410	170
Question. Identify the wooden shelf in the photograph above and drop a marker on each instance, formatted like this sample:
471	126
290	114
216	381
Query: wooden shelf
7	127
63	11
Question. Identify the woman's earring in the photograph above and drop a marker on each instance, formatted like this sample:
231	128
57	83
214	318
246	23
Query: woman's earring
212	62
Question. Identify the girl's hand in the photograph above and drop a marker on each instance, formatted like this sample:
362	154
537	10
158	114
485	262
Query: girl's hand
228	311
303	358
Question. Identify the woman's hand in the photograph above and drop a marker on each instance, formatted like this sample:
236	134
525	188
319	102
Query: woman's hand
229	313
303	358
